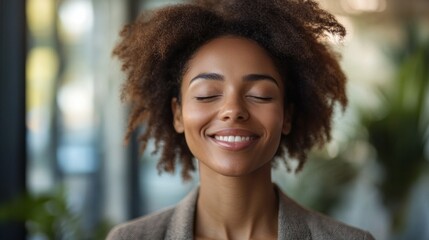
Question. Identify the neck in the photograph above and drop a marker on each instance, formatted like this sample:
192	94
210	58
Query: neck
237	207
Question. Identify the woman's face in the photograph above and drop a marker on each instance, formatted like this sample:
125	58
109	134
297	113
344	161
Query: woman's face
232	111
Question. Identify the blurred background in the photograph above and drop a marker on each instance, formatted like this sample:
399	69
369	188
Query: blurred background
66	173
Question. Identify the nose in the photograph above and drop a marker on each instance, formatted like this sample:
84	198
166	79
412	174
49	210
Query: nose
233	109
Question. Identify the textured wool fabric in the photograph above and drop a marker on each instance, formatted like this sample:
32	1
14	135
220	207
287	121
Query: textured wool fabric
295	223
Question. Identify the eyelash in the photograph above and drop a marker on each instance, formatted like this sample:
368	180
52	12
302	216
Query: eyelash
206	98
262	98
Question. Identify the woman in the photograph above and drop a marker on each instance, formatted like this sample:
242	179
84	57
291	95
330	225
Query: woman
237	85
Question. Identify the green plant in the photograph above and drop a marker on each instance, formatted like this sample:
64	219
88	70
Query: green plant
48	215
401	133
321	183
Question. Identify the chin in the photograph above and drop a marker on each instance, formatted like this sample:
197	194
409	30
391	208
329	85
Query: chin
235	170
234	173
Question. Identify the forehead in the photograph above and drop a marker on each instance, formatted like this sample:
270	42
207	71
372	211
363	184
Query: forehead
232	54
225	44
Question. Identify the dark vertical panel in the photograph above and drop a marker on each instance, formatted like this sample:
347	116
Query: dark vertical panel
12	108
135	200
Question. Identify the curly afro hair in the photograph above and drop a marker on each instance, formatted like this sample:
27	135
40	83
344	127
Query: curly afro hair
154	51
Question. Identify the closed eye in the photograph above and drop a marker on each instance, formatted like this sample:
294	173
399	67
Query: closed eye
206	98
262	99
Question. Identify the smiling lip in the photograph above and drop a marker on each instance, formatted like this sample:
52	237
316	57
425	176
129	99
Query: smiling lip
234	139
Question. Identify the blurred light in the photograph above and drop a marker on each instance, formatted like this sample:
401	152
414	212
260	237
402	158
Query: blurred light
42	65
41	70
361	6
75	100
76	17
153	4
40	16
40	179
333	149
76	159
37	123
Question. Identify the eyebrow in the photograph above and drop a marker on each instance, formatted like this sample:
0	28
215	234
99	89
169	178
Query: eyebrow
247	78
208	76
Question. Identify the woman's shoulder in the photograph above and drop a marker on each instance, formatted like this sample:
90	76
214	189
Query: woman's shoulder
172	223
324	226
152	226
317	225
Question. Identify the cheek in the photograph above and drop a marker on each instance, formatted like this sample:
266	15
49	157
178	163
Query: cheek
194	116
195	121
271	116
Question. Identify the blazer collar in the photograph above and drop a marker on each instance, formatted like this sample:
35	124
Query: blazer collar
291	220
292	223
181	226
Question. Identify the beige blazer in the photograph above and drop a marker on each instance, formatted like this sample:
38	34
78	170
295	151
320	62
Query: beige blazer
295	222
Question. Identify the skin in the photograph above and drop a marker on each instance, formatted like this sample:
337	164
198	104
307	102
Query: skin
232	88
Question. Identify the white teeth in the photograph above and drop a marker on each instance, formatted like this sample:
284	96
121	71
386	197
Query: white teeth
232	138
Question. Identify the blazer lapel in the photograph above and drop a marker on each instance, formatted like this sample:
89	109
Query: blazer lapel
181	226
292	224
